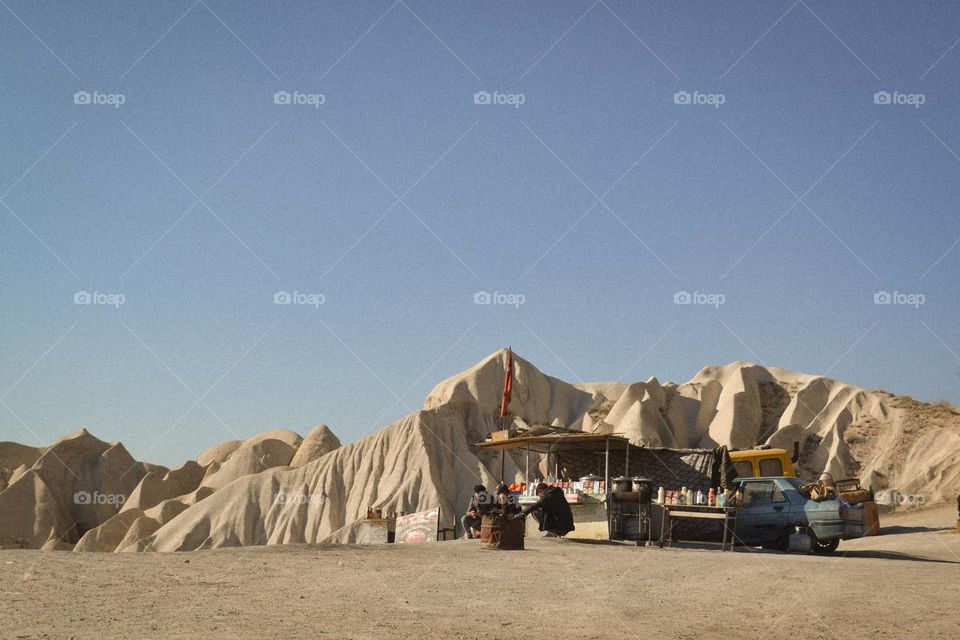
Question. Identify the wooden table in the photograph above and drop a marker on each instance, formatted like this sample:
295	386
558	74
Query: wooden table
671	511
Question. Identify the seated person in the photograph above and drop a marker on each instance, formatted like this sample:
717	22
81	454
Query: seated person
481	503
506	501
551	511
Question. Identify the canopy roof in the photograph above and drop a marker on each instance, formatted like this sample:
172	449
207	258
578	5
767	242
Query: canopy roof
561	443
580	453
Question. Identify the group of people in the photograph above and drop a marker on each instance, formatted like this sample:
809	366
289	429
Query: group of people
551	510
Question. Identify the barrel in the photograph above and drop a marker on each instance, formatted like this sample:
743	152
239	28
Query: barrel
500	532
485	529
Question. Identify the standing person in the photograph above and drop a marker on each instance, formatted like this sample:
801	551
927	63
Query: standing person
551	511
481	503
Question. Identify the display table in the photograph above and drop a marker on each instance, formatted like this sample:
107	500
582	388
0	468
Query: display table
671	511
589	515
576	497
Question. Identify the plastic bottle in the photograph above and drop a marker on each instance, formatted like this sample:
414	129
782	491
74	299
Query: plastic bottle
699	496
682	498
661	495
712	498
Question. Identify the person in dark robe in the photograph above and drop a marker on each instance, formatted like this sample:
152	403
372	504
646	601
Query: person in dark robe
551	511
506	501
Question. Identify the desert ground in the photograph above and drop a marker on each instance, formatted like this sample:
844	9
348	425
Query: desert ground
904	583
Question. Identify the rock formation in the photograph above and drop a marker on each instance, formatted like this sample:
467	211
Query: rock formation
278	488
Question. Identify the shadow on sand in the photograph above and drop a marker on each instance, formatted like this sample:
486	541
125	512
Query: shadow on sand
875	554
890	555
900	530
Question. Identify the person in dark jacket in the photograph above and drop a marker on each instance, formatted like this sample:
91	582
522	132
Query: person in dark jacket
506	501
481	503
551	511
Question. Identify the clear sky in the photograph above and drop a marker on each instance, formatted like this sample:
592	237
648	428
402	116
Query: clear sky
628	152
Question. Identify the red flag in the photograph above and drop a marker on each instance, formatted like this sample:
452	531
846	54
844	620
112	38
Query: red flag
507	384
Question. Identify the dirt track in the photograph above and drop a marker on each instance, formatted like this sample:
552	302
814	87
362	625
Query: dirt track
905	583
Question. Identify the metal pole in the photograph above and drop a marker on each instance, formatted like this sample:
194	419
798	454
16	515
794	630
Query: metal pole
526	473
503	458
626	470
606	467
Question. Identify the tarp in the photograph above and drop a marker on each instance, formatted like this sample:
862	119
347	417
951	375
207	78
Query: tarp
691	468
676	468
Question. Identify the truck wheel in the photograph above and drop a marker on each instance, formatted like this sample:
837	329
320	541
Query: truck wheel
824	547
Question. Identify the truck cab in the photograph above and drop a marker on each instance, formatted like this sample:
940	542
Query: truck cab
763	463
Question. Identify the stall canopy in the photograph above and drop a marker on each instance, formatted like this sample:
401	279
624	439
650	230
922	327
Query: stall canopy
580	454
576	453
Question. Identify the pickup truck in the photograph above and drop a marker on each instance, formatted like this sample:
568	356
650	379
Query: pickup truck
771	508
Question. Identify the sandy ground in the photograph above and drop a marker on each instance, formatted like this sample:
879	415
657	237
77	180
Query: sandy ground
905	583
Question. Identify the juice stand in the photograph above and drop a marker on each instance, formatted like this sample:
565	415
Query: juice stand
594	471
596	459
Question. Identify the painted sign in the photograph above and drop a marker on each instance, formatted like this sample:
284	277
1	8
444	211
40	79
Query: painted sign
418	527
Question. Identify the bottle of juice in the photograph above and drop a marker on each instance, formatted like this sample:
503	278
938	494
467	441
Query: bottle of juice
712	498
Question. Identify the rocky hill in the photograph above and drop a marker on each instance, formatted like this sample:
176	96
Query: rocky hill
278	488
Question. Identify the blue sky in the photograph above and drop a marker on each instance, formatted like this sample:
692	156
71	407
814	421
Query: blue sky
782	193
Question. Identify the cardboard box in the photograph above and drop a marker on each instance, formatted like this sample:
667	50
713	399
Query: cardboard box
871	519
